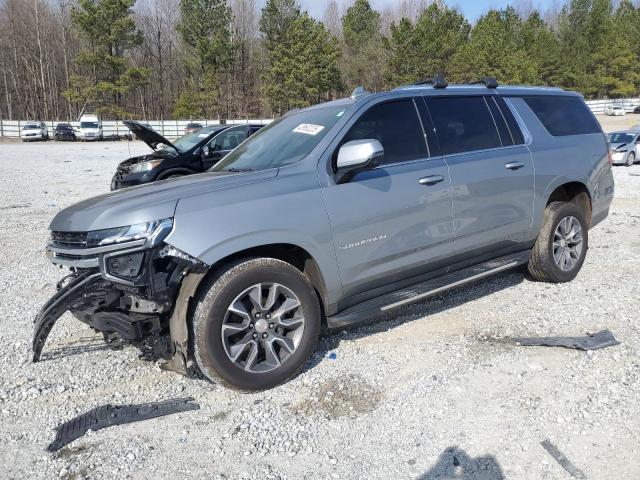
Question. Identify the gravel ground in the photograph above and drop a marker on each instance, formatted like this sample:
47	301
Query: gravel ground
429	393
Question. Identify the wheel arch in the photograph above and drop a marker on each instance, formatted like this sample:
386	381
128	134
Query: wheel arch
293	254
573	191
174	171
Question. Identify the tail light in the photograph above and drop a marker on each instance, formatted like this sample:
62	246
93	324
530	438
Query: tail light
610	157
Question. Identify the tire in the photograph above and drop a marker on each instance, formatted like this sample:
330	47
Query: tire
631	159
234	285
542	264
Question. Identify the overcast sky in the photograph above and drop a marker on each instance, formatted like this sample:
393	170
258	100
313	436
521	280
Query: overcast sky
471	8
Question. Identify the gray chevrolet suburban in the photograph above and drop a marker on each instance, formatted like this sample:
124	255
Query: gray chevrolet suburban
336	213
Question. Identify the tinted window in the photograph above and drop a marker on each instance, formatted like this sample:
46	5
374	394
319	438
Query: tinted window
463	124
229	139
503	131
396	126
563	116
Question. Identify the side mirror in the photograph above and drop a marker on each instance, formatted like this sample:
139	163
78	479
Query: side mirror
206	151
358	155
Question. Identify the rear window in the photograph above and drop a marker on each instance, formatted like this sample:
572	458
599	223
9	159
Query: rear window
563	116
463	124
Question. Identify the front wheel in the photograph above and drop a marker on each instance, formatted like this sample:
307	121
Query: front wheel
631	159
560	249
255	324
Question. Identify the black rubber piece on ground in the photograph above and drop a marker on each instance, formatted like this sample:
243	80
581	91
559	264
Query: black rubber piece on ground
595	341
110	415
541	264
562	460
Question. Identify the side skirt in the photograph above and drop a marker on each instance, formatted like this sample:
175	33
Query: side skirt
414	293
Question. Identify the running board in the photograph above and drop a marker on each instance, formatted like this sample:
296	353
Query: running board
379	305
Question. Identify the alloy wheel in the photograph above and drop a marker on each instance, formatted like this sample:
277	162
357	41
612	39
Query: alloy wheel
567	243
262	327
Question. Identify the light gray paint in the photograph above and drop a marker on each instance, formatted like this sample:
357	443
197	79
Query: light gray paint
386	223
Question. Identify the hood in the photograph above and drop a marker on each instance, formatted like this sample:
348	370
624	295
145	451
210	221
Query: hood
616	146
146	203
147	135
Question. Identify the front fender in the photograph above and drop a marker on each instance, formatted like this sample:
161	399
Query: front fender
217	224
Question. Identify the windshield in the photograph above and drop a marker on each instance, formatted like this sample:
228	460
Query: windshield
63	127
190	140
88	124
620	137
31	127
283	142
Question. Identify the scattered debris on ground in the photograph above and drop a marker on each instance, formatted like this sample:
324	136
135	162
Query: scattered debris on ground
562	460
593	341
111	415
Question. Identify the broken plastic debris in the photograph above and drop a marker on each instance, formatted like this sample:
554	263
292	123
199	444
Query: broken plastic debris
332	356
562	460
110	415
594	341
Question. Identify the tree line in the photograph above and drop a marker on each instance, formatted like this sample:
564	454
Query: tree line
255	59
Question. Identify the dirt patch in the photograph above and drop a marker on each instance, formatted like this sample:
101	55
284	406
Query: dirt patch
347	395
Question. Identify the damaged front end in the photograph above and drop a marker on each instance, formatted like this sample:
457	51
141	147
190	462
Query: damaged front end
126	283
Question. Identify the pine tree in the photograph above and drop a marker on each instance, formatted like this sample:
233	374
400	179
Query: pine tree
204	28
425	49
361	30
109	31
304	66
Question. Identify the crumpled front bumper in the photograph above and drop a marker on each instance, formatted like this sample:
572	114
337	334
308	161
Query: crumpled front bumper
125	310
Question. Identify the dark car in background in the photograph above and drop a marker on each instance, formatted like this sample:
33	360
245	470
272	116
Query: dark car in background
192	153
192	127
64	131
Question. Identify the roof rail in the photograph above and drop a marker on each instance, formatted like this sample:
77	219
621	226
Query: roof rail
489	82
438	81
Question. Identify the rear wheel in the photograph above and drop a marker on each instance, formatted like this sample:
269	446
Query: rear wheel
562	243
255	324
631	159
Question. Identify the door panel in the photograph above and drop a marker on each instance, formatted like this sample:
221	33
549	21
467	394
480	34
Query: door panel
492	204
388	225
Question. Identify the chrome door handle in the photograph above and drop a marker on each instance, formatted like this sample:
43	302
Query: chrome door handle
431	180
514	165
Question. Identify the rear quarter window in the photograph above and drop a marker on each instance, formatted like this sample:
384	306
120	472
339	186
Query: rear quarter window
563	116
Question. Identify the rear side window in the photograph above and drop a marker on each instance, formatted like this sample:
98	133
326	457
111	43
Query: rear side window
396	126
463	124
563	116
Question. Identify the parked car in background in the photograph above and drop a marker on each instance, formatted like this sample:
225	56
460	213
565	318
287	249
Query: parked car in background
90	128
636	109
192	153
335	215
34	131
192	127
625	147
64	131
614	110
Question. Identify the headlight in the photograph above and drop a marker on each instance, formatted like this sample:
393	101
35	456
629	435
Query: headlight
145	166
154	231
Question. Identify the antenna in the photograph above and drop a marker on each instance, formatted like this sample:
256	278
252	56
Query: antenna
359	92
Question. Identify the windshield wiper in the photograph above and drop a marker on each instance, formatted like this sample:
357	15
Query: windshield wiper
238	170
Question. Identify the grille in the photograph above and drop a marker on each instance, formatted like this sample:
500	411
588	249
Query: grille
70	239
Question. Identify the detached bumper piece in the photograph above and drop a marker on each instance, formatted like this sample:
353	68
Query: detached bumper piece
110	415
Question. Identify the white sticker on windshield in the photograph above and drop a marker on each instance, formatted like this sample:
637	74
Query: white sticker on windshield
308	129
340	113
203	135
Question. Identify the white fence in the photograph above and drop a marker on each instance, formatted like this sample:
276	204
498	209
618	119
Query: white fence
166	128
598	106
175	128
